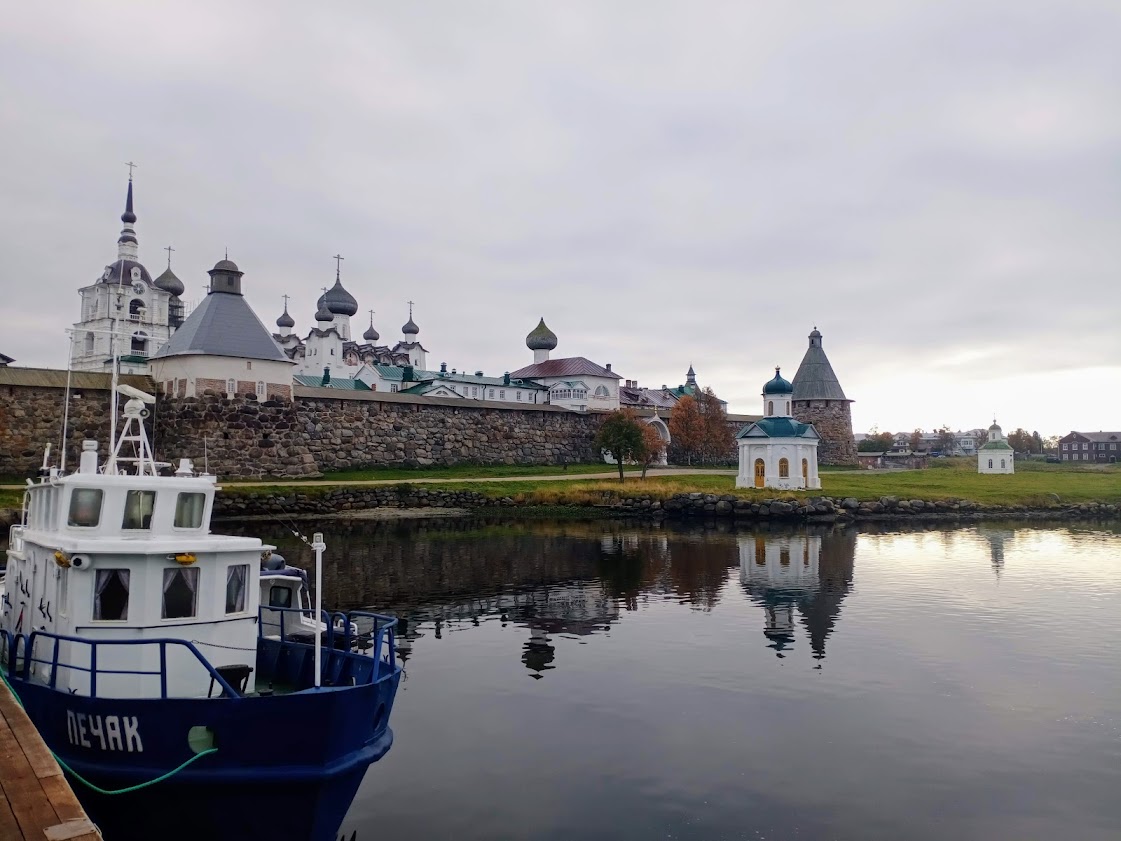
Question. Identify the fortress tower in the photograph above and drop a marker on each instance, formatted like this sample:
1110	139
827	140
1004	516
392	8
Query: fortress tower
820	400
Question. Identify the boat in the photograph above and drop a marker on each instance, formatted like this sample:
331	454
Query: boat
187	681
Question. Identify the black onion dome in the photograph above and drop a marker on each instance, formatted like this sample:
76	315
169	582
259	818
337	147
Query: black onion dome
285	319
169	283
541	337
113	273
339	301
409	328
778	385
322	313
371	335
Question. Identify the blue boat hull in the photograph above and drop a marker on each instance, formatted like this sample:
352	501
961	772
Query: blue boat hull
286	766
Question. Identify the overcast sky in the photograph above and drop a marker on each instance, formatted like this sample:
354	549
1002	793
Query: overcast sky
934	185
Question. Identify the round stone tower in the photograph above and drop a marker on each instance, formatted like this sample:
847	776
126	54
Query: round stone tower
820	400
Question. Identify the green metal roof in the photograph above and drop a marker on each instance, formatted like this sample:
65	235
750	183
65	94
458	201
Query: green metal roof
341	383
779	427
996	445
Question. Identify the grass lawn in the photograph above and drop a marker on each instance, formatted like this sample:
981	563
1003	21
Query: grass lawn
459	471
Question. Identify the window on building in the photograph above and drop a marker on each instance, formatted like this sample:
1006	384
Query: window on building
110	595
236	577
784	468
1113	446
990	464
180	592
1002	464
1085	446
770	407
601	391
1066	457
492	394
138	509
85	508
788	407
135	309
760	552
248	365
519	394
260	390
393	386
188	510
1066	446
231	387
784	556
501	394
89	343
474	391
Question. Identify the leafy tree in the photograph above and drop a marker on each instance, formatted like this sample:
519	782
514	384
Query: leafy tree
716	436
1020	440
947	443
686	428
916	439
1051	443
620	434
877	442
1036	442
652	447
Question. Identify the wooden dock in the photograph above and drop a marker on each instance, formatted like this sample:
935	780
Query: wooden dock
36	801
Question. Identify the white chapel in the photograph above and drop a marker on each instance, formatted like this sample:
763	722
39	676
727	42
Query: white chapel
777	451
996	455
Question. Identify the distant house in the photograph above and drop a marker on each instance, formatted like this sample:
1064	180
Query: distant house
1099	447
5	360
897	459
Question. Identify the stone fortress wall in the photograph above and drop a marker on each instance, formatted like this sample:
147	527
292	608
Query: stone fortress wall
833	421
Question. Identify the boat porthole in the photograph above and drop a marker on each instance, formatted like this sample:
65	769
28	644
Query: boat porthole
379	717
200	738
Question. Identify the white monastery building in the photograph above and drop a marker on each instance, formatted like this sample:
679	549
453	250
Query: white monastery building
223	347
575	382
995	455
777	451
147	311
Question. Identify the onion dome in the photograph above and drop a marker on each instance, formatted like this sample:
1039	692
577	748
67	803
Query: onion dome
169	283
285	319
371	335
323	314
778	385
541	337
409	328
339	301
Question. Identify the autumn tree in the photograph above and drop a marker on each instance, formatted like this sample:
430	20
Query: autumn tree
620	434
686	428
947	442
916	439
716	437
1036	442
652	447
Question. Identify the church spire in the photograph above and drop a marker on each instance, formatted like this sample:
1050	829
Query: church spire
126	243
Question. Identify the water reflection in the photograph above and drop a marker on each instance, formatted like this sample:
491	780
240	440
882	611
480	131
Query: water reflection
807	573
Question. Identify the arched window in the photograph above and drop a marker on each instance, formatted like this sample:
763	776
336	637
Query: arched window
770	407
788	407
784	468
231	387
139	343
990	464
601	391
89	343
135	308
1002	464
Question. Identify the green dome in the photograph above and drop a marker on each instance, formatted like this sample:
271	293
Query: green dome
778	385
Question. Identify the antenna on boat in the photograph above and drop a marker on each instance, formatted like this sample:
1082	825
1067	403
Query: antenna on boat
134	432
66	406
318	545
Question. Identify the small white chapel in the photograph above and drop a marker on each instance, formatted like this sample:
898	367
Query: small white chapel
777	451
996	455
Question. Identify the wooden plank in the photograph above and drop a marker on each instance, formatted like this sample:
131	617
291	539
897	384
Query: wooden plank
8	826
63	799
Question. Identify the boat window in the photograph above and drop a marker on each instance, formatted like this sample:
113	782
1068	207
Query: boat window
138	510
110	594
188	510
280	596
85	507
236	577
180	591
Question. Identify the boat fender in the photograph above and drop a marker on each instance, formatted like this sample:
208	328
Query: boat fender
80	562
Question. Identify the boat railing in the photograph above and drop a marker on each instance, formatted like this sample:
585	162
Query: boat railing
20	651
357	632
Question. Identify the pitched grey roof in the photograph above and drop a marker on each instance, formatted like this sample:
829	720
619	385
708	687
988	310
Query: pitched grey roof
815	379
574	366
223	325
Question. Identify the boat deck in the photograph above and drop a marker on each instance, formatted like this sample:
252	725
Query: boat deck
36	801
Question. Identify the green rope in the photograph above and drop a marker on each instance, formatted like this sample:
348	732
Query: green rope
98	788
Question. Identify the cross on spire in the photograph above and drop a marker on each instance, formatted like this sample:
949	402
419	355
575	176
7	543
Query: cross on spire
285	297
131	166
410	303
371	318
338	258
169	249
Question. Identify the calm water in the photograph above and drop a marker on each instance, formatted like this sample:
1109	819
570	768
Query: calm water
601	680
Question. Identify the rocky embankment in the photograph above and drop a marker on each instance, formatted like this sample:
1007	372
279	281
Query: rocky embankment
345	501
812	509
